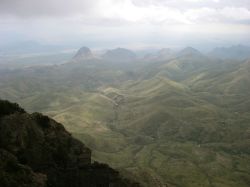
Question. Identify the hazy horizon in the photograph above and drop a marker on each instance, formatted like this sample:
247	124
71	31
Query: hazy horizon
134	24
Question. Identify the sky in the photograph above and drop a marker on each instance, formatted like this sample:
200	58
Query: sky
126	23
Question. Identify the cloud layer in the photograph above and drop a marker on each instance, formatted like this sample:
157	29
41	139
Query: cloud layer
116	20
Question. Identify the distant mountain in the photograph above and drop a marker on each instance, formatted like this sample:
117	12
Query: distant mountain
119	54
36	151
189	51
162	54
184	64
83	54
165	52
238	52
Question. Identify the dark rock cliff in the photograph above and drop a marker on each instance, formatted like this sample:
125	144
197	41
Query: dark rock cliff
36	151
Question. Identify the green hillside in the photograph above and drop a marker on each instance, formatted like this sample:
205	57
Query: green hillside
181	122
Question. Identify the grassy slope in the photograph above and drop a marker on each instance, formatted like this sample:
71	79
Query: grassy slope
190	130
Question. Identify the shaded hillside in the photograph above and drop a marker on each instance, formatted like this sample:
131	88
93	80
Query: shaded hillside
37	151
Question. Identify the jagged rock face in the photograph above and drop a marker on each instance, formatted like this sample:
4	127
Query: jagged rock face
12	173
83	53
8	108
38	151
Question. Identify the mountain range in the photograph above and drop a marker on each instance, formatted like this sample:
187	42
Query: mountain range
239	52
167	119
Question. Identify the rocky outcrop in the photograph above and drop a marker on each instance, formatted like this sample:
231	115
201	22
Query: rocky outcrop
83	53
37	151
12	173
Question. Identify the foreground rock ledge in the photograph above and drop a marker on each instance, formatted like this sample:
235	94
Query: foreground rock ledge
37	151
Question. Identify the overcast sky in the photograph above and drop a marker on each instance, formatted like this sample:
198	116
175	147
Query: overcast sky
126	23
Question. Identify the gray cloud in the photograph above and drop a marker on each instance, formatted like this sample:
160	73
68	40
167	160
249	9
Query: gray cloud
187	4
170	11
30	8
137	22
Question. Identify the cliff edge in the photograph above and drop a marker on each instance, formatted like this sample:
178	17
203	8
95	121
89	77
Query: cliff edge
37	151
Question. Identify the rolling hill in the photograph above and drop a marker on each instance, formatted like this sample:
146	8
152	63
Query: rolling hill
177	121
